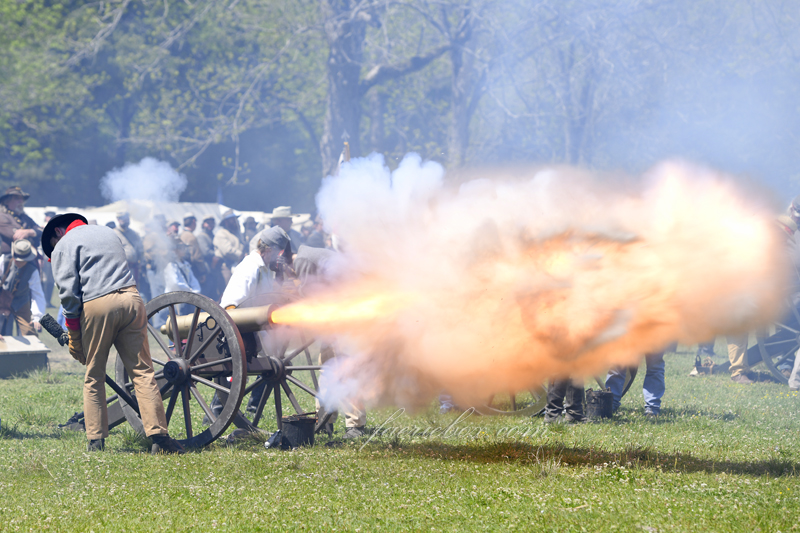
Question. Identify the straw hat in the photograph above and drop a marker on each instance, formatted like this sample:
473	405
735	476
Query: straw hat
283	211
23	251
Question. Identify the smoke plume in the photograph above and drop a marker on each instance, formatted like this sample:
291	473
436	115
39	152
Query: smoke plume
149	179
511	279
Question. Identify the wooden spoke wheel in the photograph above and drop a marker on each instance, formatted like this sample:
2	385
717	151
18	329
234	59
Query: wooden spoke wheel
778	346
193	366
526	403
284	378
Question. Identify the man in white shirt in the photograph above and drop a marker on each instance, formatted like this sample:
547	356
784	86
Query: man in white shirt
252	276
21	298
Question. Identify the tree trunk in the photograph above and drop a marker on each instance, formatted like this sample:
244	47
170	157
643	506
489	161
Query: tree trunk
458	131
345	34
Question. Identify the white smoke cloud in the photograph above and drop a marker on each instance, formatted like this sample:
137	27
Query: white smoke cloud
149	179
516	277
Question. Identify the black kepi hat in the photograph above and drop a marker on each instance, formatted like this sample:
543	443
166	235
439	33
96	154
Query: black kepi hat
58	221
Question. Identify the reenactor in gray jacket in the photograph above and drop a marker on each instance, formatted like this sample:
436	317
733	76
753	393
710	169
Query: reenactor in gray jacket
103	308
205	240
195	258
228	246
131	243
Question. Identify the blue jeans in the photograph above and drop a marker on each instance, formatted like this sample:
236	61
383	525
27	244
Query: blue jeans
652	388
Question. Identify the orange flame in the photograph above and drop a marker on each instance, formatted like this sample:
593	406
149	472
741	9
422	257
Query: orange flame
536	288
352	311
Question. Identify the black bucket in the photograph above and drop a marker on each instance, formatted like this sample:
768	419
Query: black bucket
599	404
299	429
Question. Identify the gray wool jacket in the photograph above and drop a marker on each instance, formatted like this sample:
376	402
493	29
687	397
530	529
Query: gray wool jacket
89	262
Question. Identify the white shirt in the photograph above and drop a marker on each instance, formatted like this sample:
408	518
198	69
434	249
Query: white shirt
179	277
250	278
38	302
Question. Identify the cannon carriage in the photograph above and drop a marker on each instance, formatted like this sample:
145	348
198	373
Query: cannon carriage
243	358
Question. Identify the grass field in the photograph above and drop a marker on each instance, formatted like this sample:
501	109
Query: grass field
722	457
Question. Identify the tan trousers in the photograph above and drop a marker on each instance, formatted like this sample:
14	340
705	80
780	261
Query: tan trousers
24	318
118	319
354	414
737	354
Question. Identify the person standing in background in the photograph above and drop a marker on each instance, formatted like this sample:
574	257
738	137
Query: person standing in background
205	240
282	217
46	268
14	223
250	231
228	245
132	244
195	255
21	296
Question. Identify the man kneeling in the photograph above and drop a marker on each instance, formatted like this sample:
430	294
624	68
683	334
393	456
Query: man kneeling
103	308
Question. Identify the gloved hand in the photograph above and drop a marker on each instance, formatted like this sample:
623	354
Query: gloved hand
76	346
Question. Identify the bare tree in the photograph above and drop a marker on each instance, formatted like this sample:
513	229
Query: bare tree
345	24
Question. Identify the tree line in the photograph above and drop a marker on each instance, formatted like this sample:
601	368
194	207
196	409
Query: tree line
252	99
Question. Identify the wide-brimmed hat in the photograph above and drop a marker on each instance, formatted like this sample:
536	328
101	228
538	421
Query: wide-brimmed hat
14	191
228	215
210	217
187	215
283	211
249	220
123	214
58	221
23	251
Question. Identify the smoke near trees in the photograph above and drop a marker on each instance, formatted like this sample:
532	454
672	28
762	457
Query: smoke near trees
254	98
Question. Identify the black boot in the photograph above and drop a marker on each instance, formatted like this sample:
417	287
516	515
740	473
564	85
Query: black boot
255	397
216	408
574	403
96	445
165	444
553	411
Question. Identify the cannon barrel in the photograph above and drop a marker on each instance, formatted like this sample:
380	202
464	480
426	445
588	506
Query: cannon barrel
247	319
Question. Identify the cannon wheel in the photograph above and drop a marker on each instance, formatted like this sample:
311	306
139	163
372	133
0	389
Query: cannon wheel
286	349
532	403
527	403
178	365
779	344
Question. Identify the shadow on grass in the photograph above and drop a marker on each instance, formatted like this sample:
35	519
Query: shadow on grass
668	415
635	457
12	432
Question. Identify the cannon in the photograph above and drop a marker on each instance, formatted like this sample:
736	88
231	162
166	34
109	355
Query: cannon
206	351
236	354
241	356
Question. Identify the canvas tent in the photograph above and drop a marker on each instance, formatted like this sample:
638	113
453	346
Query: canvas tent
142	211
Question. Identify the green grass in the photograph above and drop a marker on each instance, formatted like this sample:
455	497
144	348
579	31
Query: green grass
722	457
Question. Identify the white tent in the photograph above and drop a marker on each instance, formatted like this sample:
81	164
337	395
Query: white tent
143	211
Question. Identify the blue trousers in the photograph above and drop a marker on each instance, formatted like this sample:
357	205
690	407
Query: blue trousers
652	388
